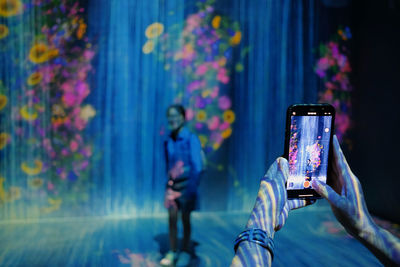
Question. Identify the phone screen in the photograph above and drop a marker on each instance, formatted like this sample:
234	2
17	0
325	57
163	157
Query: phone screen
308	149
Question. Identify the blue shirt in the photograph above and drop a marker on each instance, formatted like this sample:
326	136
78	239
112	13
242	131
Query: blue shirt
186	148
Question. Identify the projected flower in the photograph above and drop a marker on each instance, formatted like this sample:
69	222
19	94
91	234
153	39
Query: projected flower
199	52
47	109
334	69
10	8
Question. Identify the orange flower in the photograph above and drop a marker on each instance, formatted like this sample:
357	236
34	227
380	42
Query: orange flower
235	40
216	22
81	29
225	134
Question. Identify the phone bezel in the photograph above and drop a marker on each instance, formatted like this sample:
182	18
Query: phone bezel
303	110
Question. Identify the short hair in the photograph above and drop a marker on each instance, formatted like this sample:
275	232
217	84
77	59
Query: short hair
179	108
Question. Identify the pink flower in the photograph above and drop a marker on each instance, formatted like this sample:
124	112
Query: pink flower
63	175
323	64
213	123
64	152
84	164
215	92
79	123
50	186
87	151
189	114
221	76
224	126
73	145
82	89
67	87
69	99
88	54
202	69
224	102
194	86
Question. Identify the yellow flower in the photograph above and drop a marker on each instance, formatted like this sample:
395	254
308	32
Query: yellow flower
229	116
32	171
3	101
3	31
2	192
222	61
235	40
201	115
216	146
26	115
35	78
87	112
40	53
36	183
4	137
154	30
216	22
148	47
225	134
10	8
205	93
203	140
54	205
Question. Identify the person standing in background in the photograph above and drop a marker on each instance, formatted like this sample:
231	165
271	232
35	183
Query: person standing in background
184	166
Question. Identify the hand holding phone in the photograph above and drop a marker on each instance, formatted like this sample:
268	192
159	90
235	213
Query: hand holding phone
309	131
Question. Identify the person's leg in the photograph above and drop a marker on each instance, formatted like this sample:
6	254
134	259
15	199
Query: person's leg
186	230
173	228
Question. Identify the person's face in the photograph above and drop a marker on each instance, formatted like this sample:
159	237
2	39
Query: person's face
175	119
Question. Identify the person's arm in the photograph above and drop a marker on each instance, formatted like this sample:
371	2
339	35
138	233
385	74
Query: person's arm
195	162
347	202
269	214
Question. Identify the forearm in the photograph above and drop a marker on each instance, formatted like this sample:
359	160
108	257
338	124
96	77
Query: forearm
251	254
384	245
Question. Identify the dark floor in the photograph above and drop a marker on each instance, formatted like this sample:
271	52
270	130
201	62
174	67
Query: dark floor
311	237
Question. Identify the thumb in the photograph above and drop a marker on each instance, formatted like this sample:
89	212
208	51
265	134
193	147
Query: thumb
326	192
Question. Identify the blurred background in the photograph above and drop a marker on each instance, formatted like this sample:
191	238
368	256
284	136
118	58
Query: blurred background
84	87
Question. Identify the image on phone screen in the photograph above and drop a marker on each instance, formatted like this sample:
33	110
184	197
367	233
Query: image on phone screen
308	150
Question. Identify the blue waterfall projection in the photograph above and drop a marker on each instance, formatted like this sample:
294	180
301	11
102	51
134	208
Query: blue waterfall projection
313	148
133	91
123	172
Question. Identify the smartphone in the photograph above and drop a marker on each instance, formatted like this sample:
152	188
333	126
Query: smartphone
308	138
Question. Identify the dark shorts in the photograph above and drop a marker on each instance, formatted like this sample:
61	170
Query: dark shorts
187	202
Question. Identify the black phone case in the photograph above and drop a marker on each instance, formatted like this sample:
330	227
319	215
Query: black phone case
302	109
